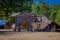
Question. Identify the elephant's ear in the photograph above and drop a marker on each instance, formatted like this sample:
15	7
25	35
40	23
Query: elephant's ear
39	19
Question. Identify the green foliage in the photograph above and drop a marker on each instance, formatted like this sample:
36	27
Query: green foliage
53	11
34	10
57	20
43	8
7	7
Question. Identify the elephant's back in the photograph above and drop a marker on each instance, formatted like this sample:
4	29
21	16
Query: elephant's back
22	18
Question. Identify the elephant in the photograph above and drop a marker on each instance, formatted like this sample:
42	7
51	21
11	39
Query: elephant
25	18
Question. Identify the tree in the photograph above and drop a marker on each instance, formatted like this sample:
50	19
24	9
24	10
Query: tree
43	8
57	19
34	10
52	12
9	6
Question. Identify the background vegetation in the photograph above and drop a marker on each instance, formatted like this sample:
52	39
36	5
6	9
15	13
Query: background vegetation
7	7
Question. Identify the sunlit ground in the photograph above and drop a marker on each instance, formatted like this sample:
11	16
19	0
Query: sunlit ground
10	35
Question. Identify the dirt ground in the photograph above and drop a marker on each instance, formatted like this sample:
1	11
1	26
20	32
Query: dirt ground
30	36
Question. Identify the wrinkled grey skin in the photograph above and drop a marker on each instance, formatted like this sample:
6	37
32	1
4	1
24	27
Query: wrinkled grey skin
25	18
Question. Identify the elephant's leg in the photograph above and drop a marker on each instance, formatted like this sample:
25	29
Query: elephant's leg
29	26
16	25
19	27
15	28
